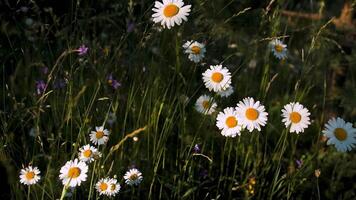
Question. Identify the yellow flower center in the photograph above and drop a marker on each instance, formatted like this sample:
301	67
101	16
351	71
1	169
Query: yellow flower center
196	49
133	177
295	117
73	172
279	48
340	134
87	153
206	104
103	186
171	10
231	122
110	82
251	114
99	134
30	175
113	187
217	77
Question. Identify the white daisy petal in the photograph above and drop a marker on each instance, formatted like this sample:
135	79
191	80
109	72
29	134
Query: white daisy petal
133	177
100	136
341	134
278	48
195	50
205	105
217	78
227	92
251	114
103	186
296	116
29	175
227	122
73	173
170	13
88	153
114	187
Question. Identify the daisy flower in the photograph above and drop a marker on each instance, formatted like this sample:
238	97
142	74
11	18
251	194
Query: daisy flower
170	12
341	134
228	123
88	153
195	50
278	48
133	177
103	186
251	114
114	187
295	115
217	78
99	136
73	173
30	175
205	105
227	92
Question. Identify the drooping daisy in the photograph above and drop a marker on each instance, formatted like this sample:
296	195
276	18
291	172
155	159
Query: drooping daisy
114	187
251	114
103	186
217	78
30	175
170	12
341	134
278	48
99	136
295	115
195	50
227	122
227	92
205	105
133	177
73	173
88	153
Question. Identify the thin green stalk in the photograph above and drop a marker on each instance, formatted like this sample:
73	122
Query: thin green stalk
64	192
28	192
91	181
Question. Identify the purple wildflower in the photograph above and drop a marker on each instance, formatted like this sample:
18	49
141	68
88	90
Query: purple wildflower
299	163
82	50
130	27
40	87
113	82
196	148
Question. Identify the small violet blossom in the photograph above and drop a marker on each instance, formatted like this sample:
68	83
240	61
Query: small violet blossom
196	148
40	87
299	163
82	50
113	82
130	27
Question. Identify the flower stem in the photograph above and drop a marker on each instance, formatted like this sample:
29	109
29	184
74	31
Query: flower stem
28	192
64	192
